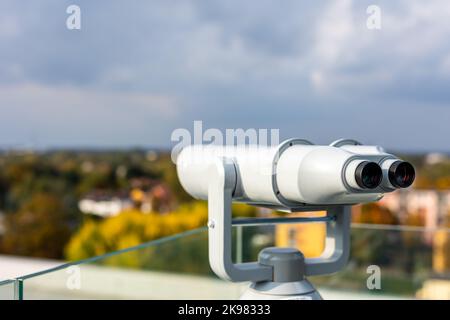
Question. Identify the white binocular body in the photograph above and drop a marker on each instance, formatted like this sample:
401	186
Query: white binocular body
297	173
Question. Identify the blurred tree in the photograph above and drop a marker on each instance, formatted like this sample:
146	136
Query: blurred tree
415	250
375	214
373	246
38	229
132	227
68	175
169	175
433	176
3	190
441	248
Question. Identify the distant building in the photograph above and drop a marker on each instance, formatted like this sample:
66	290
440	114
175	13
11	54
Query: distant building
146	195
433	205
435	158
151	195
104	204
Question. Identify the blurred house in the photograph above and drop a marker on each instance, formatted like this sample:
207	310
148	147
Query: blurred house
433	205
434	208
435	158
147	195
151	195
105	204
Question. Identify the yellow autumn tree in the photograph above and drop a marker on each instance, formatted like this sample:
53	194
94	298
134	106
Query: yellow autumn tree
132	228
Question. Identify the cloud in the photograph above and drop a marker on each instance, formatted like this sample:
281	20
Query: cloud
65	115
310	69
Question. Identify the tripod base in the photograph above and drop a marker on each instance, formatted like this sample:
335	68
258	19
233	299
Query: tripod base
298	290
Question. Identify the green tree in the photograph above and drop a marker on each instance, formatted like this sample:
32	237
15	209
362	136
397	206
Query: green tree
38	229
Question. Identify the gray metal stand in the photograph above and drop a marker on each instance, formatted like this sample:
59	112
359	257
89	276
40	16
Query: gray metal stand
280	272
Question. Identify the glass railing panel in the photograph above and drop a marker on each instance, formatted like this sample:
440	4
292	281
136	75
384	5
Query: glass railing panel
393	262
7	290
412	261
386	261
172	268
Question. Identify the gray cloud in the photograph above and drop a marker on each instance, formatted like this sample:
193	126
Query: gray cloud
144	68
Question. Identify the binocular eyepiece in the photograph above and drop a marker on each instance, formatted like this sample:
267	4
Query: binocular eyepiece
369	175
401	174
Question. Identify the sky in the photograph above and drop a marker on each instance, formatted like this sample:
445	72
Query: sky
138	70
